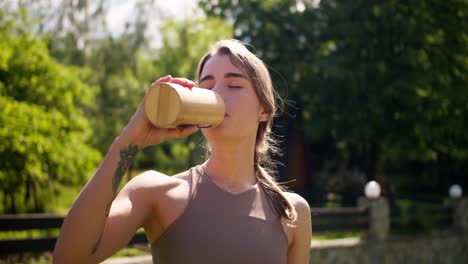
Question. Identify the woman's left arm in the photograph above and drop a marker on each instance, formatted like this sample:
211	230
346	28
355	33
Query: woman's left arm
299	249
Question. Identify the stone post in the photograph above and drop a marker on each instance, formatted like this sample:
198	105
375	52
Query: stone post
379	218
460	214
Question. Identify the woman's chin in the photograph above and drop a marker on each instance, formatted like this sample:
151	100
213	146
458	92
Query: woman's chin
220	132
212	131
213	128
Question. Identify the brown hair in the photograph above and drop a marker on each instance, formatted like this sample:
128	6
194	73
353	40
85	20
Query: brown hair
258	74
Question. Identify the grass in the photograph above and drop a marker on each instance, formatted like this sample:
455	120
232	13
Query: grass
131	252
46	257
334	235
28	258
28	234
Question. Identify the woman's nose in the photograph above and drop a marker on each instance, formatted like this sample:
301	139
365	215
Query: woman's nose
219	89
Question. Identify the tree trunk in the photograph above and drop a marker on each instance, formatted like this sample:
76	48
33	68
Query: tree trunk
12	207
297	165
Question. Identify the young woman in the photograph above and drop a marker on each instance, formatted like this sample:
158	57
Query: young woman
226	210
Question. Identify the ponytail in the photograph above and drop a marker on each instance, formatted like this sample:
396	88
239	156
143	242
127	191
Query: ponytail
274	193
264	170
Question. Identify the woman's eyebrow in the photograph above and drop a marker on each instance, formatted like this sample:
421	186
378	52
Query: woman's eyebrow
234	75
206	78
227	75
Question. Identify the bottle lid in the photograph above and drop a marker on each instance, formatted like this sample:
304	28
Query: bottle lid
162	105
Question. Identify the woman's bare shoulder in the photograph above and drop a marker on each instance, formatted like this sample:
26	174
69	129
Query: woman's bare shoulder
166	195
160	189
152	179
296	200
300	205
300	230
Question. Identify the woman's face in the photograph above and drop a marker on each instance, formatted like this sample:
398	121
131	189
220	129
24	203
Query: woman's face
243	109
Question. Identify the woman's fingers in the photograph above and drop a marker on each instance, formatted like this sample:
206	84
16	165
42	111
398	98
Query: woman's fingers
140	131
181	81
181	132
166	78
187	131
184	82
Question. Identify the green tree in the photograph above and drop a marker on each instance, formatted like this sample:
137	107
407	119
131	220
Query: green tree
378	84
43	130
401	72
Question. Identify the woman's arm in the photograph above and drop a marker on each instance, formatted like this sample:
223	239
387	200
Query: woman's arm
97	225
81	233
299	250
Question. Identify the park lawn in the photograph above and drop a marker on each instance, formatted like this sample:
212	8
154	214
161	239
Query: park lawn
334	235
46	257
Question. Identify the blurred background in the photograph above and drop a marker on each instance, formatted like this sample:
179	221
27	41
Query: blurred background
374	90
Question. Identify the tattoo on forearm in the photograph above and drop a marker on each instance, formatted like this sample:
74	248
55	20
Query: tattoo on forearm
127	155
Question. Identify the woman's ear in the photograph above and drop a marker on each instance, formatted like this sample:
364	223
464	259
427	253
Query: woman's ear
264	116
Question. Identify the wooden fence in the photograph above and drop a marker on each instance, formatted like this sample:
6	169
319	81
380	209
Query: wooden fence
47	224
45	227
340	219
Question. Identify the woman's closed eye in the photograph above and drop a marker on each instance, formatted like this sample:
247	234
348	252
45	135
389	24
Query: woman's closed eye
235	84
206	85
229	86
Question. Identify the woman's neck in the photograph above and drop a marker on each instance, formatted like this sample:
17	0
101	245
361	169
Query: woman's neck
232	165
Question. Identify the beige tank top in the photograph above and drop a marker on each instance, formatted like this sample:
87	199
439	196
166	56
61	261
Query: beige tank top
223	228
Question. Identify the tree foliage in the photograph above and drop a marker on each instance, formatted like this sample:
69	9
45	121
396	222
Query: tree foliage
379	85
43	130
110	73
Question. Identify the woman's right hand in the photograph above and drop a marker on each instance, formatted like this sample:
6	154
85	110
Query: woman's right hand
139	131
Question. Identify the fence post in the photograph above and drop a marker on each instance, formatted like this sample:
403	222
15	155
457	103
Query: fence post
460	214
379	218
